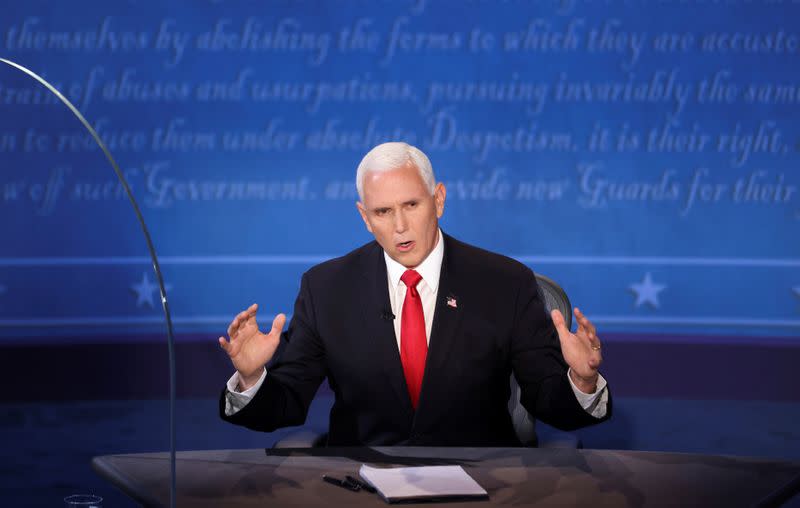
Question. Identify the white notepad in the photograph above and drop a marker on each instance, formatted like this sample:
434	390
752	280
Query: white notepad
422	483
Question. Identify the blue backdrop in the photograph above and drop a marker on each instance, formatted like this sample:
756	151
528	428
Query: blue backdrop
642	153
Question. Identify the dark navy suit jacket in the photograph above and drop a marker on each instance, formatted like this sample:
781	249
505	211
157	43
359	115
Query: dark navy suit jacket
342	329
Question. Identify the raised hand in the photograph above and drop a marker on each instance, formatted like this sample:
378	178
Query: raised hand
248	348
581	350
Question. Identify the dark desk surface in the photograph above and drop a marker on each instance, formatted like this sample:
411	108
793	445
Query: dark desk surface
512	476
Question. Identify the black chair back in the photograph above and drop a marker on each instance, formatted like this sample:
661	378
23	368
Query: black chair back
554	297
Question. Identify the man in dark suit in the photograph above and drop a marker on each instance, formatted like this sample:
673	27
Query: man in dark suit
416	332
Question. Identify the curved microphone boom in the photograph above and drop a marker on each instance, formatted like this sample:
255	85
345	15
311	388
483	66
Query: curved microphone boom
153	258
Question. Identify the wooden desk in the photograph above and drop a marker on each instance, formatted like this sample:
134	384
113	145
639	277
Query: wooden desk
512	476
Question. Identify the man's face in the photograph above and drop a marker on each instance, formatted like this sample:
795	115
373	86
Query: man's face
401	213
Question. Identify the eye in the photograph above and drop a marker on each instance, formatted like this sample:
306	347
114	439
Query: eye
412	204
380	212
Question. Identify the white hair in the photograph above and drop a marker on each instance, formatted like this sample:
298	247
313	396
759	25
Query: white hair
394	155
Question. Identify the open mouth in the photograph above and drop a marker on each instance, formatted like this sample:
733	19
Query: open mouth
405	246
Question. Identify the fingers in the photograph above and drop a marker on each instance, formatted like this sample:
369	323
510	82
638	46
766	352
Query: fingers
237	321
277	324
588	328
585	324
558	321
223	344
241	318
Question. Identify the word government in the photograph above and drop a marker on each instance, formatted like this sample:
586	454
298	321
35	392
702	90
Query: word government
163	191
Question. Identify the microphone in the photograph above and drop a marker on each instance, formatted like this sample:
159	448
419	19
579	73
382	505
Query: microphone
387	315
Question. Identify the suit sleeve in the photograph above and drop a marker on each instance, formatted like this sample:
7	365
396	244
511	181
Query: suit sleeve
293	379
539	366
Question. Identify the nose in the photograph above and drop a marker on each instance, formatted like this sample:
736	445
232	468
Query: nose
400	222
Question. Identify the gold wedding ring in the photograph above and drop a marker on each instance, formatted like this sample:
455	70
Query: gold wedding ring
596	348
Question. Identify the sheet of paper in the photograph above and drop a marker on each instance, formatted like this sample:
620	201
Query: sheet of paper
424	482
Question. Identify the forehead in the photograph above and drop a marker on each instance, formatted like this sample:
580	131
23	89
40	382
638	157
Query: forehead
396	185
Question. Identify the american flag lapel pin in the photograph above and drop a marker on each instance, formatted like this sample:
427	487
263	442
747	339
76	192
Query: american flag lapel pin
451	302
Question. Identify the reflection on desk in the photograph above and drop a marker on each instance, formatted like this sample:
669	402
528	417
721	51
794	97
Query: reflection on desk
512	476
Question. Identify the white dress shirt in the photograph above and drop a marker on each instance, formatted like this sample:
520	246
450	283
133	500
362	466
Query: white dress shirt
428	288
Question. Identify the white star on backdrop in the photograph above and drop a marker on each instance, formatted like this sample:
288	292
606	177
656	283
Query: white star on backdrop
145	290
647	291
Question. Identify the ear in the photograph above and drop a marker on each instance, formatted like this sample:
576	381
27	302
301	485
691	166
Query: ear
439	195
363	211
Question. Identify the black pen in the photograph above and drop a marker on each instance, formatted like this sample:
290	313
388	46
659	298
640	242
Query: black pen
364	485
341	483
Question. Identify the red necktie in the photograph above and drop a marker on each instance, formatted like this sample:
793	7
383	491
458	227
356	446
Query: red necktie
413	344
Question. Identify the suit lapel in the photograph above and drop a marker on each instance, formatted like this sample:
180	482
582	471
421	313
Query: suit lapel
446	318
379	324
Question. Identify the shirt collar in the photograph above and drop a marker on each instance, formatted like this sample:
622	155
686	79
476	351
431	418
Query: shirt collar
429	269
